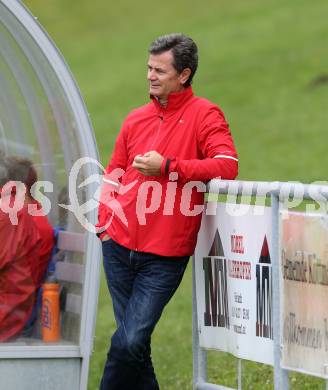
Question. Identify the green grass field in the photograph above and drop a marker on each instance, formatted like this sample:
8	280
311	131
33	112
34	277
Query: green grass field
264	62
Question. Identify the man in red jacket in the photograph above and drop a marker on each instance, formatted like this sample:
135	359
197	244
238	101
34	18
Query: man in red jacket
19	250
152	201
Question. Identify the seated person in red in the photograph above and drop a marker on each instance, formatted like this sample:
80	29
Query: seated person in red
22	169
19	249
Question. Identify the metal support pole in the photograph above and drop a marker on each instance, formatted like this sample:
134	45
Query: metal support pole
239	378
199	354
281	380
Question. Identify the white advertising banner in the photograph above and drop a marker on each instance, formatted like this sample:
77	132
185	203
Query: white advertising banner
304	275
234	282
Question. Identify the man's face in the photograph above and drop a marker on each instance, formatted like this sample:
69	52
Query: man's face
162	76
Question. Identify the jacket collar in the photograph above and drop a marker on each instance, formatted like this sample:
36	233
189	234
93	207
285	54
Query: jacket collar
175	100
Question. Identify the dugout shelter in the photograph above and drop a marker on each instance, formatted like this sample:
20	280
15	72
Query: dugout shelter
43	118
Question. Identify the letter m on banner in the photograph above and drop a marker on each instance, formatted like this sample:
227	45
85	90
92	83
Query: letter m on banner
216	293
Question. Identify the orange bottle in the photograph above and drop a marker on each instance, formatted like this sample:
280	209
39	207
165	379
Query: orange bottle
50	327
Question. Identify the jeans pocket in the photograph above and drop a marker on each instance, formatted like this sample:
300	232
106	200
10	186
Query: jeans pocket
106	246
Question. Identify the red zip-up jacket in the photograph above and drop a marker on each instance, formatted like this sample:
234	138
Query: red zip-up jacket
162	214
19	252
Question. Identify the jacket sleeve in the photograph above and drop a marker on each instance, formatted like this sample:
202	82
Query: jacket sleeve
215	143
20	240
111	179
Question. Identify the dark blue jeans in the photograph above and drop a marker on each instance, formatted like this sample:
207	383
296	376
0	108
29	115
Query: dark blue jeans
140	284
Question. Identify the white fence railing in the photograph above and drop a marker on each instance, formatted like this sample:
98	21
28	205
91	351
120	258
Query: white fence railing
283	196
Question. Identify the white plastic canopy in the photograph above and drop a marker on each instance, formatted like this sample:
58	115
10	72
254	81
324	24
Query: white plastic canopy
43	117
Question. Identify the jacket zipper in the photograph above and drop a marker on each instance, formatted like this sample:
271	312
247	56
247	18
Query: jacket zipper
161	119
